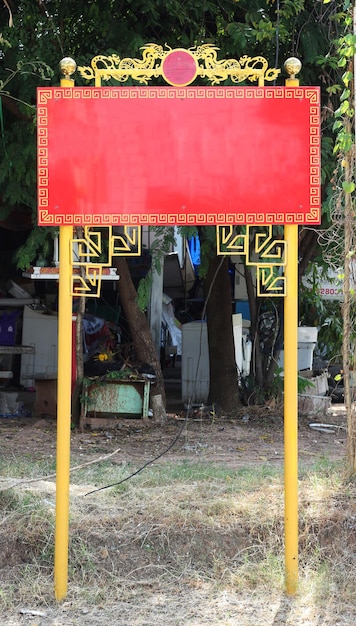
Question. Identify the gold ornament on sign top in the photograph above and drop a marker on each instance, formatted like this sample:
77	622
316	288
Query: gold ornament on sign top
203	62
292	67
67	67
262	251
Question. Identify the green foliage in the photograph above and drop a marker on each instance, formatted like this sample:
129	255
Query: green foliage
327	160
304	384
345	112
207	249
144	291
188	231
254	394
42	34
324	314
18	165
161	245
21	75
38	243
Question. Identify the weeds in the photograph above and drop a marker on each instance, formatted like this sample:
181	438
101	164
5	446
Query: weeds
181	521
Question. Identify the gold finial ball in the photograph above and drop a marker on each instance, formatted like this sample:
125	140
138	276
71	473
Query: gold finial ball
292	66
67	66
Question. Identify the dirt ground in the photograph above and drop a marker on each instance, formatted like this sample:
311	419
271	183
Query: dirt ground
254	436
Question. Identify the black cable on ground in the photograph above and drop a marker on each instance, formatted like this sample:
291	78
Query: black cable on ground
146	464
186	418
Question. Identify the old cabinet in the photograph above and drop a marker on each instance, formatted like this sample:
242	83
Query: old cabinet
115	398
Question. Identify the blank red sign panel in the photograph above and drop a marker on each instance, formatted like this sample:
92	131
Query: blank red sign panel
171	155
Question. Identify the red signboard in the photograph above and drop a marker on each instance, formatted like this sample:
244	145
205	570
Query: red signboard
178	155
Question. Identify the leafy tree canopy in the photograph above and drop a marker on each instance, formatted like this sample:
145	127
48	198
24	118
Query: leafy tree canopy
36	35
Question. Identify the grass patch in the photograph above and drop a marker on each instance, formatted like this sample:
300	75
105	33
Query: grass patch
26	546
23	467
171	473
190	523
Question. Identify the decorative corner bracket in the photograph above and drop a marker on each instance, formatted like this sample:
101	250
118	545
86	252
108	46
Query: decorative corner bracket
262	251
92	256
178	67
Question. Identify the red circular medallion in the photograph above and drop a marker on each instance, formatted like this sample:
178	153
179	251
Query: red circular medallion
179	68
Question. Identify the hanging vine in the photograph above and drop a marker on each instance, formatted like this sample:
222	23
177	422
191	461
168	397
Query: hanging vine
339	240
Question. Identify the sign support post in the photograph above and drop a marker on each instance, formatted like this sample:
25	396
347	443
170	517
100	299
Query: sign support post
63	391
150	202
291	389
291	411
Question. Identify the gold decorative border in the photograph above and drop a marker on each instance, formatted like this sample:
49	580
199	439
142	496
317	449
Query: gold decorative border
313	216
176	219
189	93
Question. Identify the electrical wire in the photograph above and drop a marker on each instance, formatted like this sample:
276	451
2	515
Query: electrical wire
140	469
177	437
202	318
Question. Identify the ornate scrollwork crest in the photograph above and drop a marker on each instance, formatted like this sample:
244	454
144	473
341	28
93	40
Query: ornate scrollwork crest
178	67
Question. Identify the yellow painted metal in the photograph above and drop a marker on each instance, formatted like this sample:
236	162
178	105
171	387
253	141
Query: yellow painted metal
99	244
207	66
127	243
63	398
63	413
291	411
262	251
93	252
230	241
292	67
269	284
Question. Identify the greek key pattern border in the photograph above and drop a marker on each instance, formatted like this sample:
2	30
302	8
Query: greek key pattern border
49	219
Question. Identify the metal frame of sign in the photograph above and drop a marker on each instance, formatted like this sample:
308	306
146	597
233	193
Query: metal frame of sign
178	155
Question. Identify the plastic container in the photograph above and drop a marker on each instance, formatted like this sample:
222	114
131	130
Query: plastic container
195	363
8	322
307	338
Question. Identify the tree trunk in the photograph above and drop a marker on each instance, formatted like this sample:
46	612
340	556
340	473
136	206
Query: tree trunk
347	342
223	374
263	364
256	368
308	240
79	358
141	336
78	388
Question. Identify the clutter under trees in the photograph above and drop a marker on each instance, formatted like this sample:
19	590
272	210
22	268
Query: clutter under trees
305	29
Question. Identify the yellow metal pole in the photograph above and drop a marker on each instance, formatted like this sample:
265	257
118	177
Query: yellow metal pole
292	66
63	392
291	410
